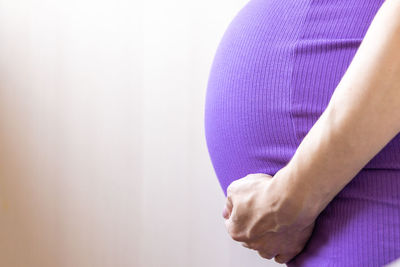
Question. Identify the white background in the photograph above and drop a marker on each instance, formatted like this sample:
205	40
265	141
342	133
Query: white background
103	157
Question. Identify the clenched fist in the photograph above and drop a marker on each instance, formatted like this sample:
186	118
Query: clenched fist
259	214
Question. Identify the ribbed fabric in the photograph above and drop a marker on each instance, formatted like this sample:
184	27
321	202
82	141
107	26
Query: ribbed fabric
273	74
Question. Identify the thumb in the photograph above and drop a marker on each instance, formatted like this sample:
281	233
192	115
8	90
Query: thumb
226	213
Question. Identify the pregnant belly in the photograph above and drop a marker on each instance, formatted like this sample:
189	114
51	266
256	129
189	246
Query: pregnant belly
248	122
273	74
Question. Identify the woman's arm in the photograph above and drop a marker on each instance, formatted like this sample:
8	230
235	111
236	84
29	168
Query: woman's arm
362	116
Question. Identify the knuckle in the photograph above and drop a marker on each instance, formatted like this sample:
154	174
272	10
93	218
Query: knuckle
235	233
249	235
248	245
229	202
231	229
238	232
265	255
298	250
231	188
236	236
255	246
235	216
283	258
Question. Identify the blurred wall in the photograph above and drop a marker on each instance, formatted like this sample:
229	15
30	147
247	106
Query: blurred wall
103	157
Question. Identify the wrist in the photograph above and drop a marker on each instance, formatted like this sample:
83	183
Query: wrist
297	206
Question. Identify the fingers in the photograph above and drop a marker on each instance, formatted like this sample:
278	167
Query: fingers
235	228
267	249
232	222
266	255
244	244
226	213
253	245
239	211
282	259
256	231
232	227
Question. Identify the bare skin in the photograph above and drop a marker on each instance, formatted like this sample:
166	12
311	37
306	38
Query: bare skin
276	215
258	226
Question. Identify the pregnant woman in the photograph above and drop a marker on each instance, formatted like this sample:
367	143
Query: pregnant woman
302	122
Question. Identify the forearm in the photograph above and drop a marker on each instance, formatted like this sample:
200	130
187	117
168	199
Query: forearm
362	116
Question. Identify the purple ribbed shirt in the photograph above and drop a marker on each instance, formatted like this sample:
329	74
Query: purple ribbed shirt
273	74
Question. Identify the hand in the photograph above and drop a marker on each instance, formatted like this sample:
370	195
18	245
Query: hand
259	214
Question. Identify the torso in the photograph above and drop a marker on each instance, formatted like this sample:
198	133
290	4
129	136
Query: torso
272	77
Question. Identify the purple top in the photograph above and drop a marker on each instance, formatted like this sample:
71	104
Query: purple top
273	75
